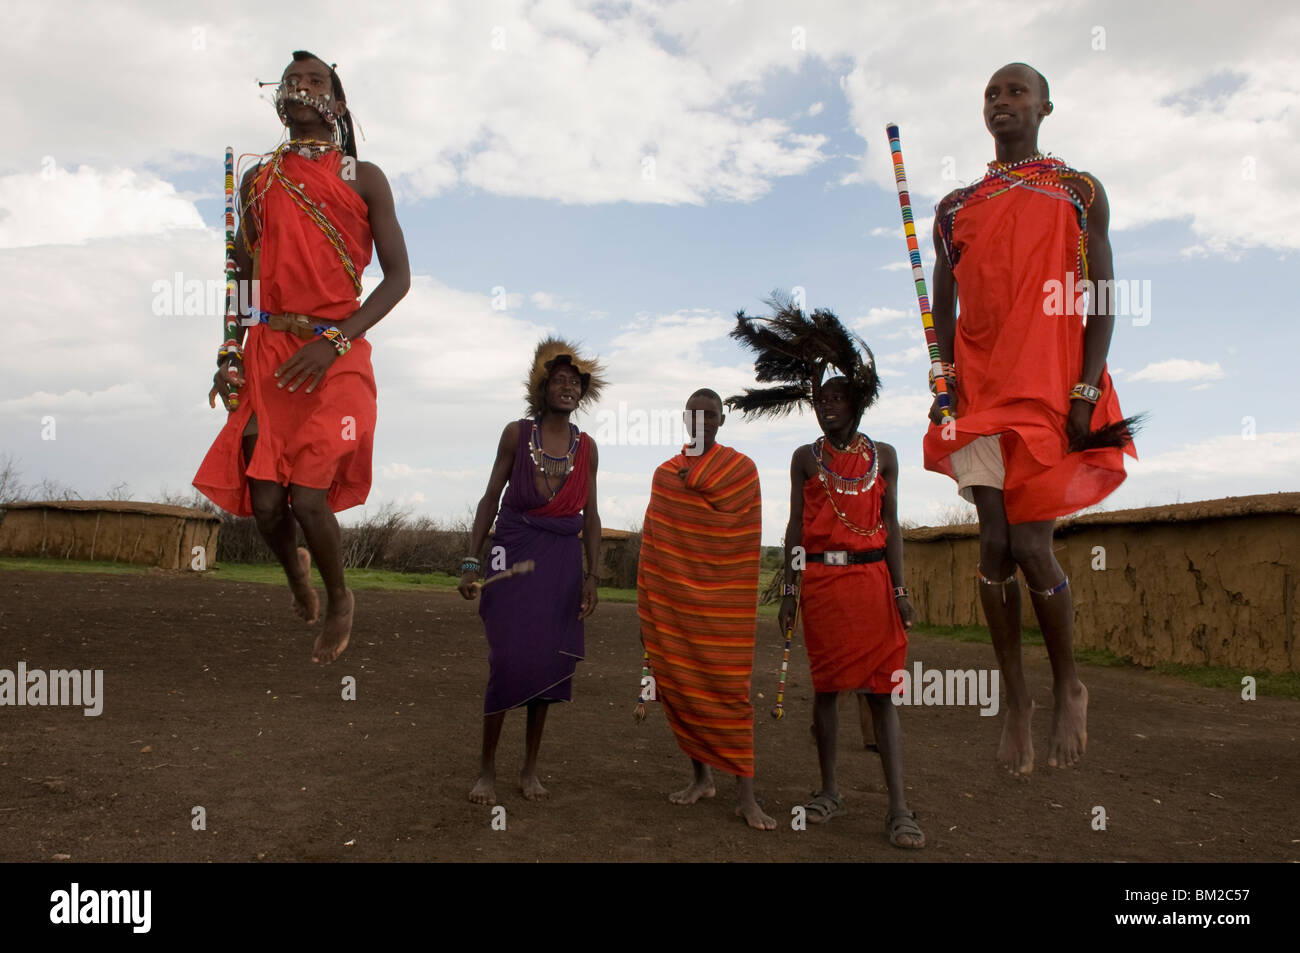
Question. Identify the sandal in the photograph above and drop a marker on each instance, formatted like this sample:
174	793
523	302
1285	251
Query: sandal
823	807
903	825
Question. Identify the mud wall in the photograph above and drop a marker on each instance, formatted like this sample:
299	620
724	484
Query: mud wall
1212	583
143	533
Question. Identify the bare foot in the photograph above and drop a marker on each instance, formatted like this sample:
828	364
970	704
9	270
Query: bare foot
754	816
305	602
1069	727
484	790
333	638
697	790
1016	750
532	788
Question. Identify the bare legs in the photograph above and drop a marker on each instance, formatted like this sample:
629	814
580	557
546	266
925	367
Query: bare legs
484	790
276	518
1029	545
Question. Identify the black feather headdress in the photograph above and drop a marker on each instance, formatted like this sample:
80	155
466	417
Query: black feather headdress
794	351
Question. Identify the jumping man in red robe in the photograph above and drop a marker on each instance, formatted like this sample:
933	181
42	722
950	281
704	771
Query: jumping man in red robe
1038	432
297	443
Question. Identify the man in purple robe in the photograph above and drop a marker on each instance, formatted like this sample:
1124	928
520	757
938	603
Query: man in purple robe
547	468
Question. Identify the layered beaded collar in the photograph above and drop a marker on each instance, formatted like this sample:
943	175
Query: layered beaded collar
851	486
312	148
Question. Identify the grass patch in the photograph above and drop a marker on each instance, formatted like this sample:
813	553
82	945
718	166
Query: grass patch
52	564
1273	685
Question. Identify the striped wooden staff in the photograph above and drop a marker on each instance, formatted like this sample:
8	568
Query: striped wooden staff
230	330
918	274
779	711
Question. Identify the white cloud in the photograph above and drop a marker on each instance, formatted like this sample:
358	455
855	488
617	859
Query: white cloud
70	208
816	109
1177	371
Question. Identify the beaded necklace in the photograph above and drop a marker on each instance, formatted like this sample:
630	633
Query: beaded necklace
547	465
310	149
1042	173
833	483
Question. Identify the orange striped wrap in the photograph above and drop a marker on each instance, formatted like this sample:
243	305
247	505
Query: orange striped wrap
697	596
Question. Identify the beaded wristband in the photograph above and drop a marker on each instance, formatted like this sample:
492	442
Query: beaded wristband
900	592
1082	391
790	589
335	337
230	349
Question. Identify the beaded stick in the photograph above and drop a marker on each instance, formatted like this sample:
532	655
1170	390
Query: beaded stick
641	695
230	330
518	569
779	711
918	273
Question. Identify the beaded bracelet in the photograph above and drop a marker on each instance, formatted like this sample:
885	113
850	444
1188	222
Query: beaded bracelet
230	348
900	592
469	564
1082	391
790	589
335	337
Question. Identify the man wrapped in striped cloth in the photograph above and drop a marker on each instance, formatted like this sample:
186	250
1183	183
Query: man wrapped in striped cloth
697	596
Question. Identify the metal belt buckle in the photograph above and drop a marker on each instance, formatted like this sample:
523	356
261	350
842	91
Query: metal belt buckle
836	557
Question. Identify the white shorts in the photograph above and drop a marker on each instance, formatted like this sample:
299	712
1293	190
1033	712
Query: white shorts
979	463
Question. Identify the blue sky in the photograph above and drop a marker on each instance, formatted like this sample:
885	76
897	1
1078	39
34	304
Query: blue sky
524	172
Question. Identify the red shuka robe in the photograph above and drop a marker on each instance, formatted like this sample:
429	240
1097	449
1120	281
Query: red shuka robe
323	439
1016	362
855	638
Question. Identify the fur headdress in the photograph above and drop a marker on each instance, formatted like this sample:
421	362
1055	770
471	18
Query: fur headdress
551	352
793	351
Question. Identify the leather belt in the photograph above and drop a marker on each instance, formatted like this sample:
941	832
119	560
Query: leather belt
299	325
844	557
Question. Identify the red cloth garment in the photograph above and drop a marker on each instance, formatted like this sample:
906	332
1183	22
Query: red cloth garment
1016	361
851	627
324	439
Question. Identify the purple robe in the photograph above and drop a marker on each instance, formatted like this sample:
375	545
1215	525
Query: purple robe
535	638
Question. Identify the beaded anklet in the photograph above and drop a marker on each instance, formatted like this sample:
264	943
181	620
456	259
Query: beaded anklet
990	582
1046	593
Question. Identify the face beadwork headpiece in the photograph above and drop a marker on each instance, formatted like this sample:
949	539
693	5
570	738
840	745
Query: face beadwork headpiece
794	351
286	94
551	353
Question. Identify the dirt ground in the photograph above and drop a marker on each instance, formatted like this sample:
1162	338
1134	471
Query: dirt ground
211	700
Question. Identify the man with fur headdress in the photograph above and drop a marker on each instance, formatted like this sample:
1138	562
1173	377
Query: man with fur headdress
547	468
843	539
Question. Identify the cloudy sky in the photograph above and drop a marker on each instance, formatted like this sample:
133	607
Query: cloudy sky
629	175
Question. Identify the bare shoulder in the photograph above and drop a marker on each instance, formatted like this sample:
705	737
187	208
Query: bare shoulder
888	455
371	181
802	462
1086	185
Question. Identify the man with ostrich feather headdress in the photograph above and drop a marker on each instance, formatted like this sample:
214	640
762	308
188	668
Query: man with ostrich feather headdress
547	468
842	539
